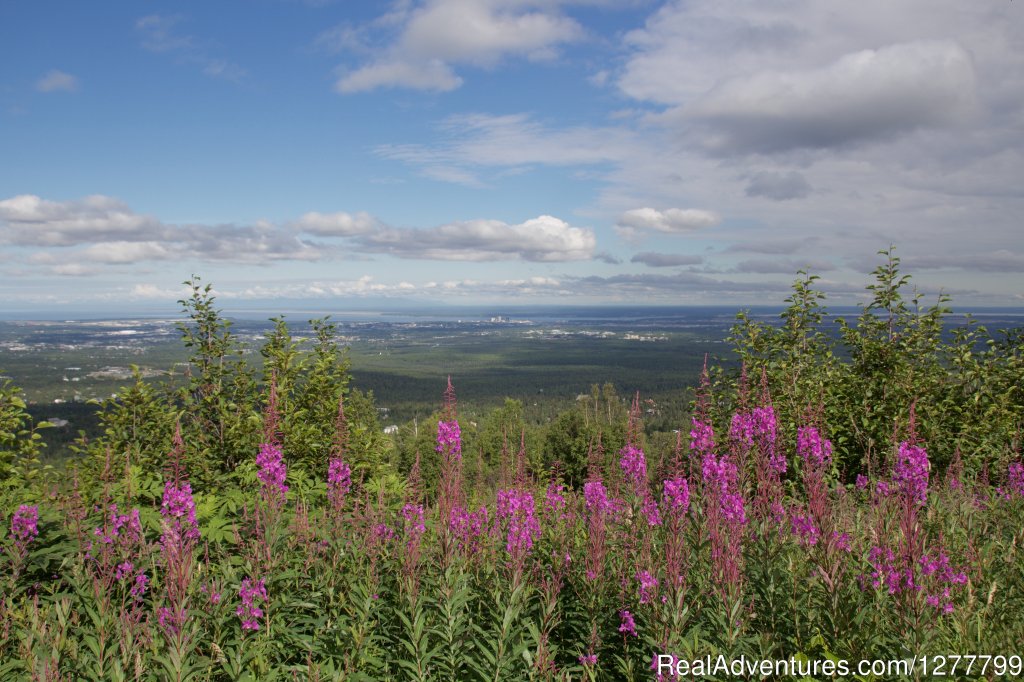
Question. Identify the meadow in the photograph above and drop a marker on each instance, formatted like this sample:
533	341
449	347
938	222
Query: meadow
834	493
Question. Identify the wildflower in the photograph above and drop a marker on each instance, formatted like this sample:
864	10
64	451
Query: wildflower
862	482
24	524
413	515
805	530
676	494
1015	478
627	624
339	481
249	593
449	438
272	473
634	466
910	475
841	541
179	509
648	586
124	570
516	507
815	451
588	659
650	510
596	497
554	500
139	587
702	437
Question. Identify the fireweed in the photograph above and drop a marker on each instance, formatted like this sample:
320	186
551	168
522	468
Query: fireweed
272	475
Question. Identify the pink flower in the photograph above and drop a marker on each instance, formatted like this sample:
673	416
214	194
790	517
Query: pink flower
627	624
634	466
249	593
272	473
24	524
676	494
910	474
449	438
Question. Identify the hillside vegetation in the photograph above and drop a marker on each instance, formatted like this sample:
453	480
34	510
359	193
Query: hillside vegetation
837	491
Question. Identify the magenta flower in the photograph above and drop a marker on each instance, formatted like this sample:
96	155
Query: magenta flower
339	481
862	482
1015	478
648	586
805	530
272	473
812	448
627	624
250	593
676	494
517	509
702	437
554	500
634	466
910	474
596	497
179	509
588	660
449	438
24	524
413	515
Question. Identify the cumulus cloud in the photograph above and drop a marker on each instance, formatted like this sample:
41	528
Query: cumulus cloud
865	95
778	185
665	260
669	221
541	239
108	231
29	220
423	42
57	81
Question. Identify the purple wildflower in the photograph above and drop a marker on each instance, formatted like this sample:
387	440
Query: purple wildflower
676	494
596	497
339	481
516	507
272	473
139	587
24	524
910	475
413	515
1015	478
842	541
862	482
627	624
588	659
179	509
702	437
449	438
648	586
249	612
634	466
815	451
805	530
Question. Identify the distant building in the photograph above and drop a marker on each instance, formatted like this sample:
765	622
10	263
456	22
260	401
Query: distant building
390	429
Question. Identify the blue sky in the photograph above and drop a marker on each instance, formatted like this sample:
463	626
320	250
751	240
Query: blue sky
489	151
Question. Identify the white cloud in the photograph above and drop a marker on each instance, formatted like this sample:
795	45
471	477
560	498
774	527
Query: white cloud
424	42
57	81
429	75
866	95
669	221
29	220
339	224
541	239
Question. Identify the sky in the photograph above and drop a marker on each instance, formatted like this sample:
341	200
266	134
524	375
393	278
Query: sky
623	152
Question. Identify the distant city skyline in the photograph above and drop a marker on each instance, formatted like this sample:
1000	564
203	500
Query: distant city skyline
507	152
